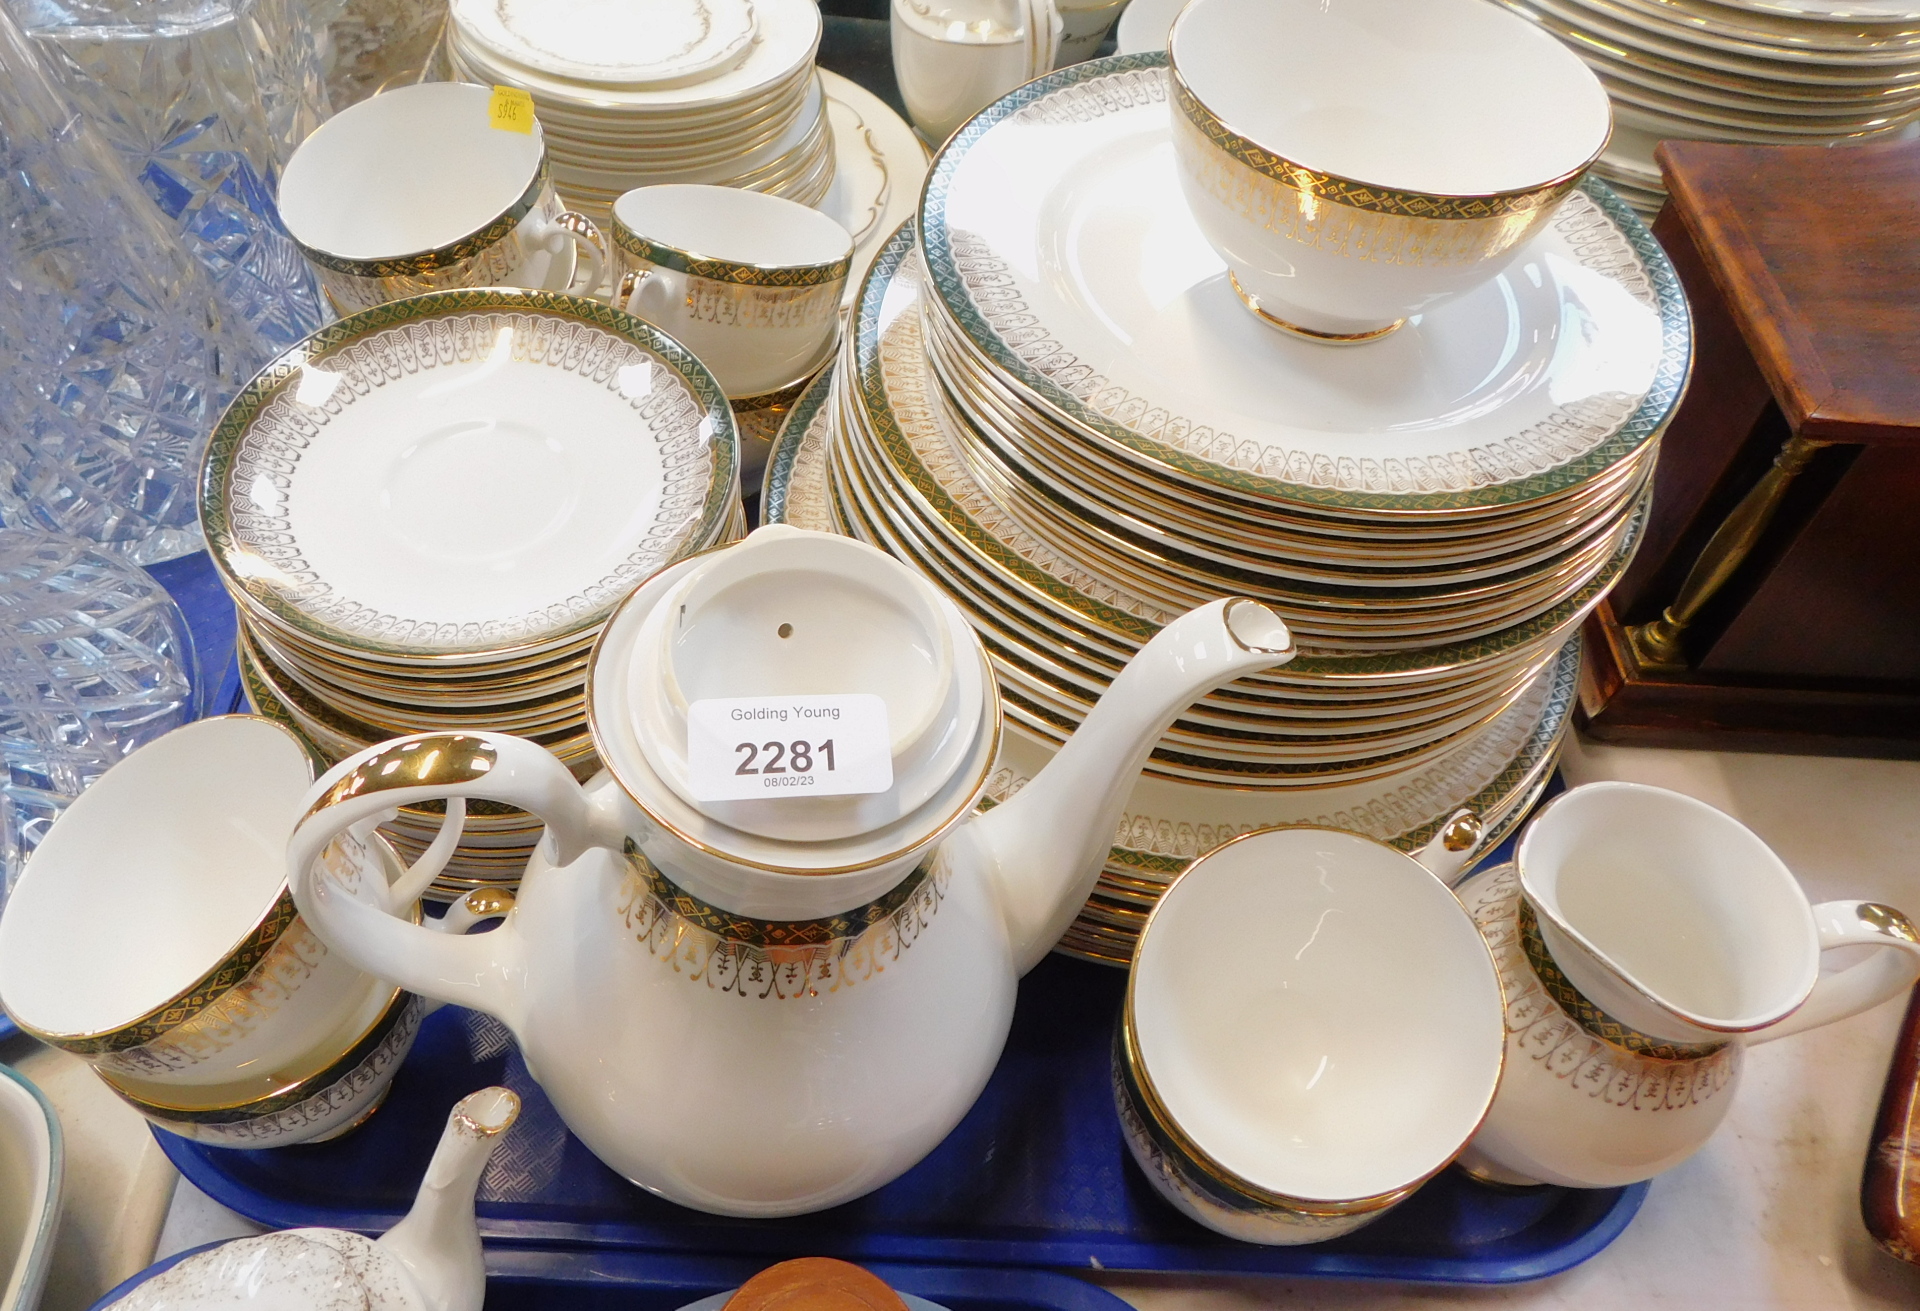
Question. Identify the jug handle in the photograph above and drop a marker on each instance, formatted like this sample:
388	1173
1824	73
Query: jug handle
483	972
1881	976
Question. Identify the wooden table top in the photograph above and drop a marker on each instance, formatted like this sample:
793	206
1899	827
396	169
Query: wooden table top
1817	251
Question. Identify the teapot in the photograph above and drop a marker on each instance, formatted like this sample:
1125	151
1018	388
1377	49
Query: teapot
430	1261
772	1005
1644	941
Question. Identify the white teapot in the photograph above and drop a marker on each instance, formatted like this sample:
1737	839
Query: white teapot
430	1261
771	1006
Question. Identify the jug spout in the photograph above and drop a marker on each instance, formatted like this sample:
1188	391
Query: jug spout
437	1240
1044	848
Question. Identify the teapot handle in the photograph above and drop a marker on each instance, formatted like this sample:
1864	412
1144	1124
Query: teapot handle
1883	975
485	971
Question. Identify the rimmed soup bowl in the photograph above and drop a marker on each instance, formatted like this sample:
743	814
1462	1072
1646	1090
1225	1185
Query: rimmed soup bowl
1356	162
1312	1029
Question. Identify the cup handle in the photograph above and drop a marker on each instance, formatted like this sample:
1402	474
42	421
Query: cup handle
485	971
1861	986
1453	848
575	227
642	295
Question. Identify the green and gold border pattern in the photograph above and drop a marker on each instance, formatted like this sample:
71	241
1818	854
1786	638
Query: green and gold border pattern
733	272
217	509
868	377
1333	188
239	962
440	257
786	447
1646	423
1589	1016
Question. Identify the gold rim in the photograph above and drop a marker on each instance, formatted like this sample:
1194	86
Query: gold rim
440	257
1311	334
1196	1155
234	965
990	706
290	1094
1354	194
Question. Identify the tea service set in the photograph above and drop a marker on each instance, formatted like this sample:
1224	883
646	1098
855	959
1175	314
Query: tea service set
778	889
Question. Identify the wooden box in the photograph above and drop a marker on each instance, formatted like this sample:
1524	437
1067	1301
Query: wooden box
1775	601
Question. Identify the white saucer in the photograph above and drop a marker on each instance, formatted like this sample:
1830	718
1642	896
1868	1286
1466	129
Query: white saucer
465	471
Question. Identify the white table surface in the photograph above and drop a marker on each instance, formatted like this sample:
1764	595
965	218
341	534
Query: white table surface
1766	1216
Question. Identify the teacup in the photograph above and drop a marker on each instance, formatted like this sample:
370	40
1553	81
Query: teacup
1645	940
1312	1029
750	283
1358	162
416	190
325	1093
953	58
152	933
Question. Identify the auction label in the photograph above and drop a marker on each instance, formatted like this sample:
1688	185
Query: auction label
743	747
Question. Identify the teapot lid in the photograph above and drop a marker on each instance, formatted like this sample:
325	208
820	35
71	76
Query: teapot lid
792	613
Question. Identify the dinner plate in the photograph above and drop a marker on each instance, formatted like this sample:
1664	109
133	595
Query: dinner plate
1820	68
878	171
1056	216
1819	45
1167	823
786	36
466	471
886	379
629	43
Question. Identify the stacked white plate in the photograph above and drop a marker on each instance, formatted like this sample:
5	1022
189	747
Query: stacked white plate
1783	72
433	546
1052	402
631	93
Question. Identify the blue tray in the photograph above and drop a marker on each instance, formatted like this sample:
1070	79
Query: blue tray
1035	1176
521	1279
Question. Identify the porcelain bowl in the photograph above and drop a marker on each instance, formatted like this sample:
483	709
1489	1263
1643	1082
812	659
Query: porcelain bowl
1357	161
1313	1028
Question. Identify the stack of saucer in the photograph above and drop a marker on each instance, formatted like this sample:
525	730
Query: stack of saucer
1054	404
1785	72
720	91
426	511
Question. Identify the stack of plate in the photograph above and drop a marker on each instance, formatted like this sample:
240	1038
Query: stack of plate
629	95
1787	72
1055	405
426	511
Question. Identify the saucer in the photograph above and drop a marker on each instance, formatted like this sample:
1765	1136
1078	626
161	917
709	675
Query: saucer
465	471
595	41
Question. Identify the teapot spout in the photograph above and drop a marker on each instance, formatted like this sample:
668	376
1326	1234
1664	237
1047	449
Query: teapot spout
1044	848
437	1240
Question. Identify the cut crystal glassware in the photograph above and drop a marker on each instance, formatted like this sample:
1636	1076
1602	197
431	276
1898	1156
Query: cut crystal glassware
115	360
204	100
95	660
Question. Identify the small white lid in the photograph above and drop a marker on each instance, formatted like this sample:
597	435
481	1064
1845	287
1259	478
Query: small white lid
789	612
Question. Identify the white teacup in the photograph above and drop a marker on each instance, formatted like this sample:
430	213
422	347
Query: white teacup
1359	161
152	932
953	58
750	283
415	190
1312	1030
